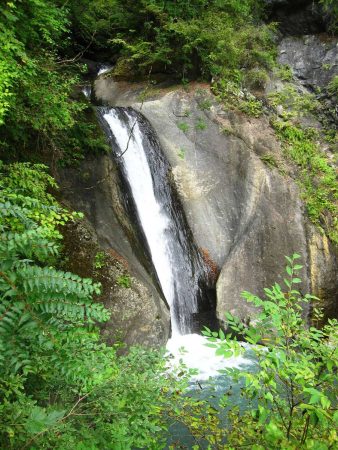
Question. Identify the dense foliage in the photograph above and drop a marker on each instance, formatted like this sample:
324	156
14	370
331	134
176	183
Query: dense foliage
291	392
37	111
331	9
60	386
214	38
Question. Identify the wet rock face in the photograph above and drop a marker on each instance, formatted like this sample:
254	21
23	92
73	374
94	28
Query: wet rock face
244	215
313	59
139	313
314	63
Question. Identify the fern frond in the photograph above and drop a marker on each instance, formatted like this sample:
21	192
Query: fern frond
28	244
10	210
46	280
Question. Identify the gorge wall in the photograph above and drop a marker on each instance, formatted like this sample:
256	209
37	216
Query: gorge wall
245	215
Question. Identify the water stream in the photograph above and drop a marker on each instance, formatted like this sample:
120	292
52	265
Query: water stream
178	267
180	270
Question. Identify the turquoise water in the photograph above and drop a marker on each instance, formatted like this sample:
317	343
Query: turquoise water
210	382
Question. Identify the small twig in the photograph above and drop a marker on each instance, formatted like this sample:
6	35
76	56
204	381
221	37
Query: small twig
179	115
135	122
80	54
129	137
61	420
74	406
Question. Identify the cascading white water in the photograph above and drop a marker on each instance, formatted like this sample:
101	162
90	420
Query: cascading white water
168	248
87	91
154	219
104	68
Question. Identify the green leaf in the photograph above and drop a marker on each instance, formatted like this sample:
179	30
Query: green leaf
206	331
273	432
335	417
287	282
296	280
221	335
269	396
40	420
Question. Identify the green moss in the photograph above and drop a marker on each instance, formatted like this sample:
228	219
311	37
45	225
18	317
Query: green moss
297	103
269	160
317	178
200	125
181	153
124	281
183	126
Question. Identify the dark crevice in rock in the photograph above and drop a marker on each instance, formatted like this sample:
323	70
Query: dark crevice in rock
297	17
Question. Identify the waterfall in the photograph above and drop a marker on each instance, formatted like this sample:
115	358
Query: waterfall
177	263
179	268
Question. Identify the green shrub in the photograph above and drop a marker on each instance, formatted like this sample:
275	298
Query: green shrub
317	177
331	9
38	109
284	72
187	39
205	104
333	86
99	260
256	78
296	102
291	393
251	106
200	125
229	91
183	126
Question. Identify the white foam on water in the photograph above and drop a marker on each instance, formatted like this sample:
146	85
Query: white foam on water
192	351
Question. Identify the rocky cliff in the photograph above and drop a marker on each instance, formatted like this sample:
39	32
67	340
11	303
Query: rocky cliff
239	192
